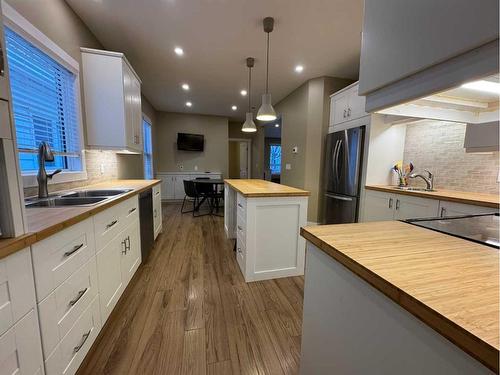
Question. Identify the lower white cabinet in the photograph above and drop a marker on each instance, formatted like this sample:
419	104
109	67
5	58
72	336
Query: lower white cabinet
457	209
130	251
172	186
380	206
157	213
20	349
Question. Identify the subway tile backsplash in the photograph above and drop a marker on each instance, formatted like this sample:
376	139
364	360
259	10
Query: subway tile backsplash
438	147
93	161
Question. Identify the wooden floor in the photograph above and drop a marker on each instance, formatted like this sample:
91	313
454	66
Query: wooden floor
189	311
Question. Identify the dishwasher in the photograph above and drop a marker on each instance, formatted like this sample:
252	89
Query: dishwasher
146	222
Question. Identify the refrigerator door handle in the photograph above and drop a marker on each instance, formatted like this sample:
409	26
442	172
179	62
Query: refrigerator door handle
334	165
340	197
337	167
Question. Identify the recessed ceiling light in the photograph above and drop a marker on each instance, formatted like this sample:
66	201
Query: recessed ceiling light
234	108
189	104
185	86
179	51
485	86
243	92
299	68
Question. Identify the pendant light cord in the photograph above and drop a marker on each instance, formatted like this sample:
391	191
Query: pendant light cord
249	88
267	65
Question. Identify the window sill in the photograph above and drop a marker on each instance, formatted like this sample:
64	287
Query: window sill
29	180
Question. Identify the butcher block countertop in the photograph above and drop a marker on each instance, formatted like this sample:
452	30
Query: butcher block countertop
449	283
253	188
479	199
43	221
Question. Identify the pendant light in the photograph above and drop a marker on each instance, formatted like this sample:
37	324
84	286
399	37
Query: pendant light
266	111
249	125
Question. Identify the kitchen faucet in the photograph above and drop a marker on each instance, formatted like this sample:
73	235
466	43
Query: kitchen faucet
44	154
429	180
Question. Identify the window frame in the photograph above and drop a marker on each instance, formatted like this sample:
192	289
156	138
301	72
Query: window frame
17	23
147	120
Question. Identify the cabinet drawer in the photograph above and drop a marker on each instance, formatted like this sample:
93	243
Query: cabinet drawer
241	230
59	256
20	350
72	349
129	210
241	205
241	254
17	290
456	209
60	310
107	225
157	191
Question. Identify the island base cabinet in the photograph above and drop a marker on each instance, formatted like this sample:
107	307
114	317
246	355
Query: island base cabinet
130	252
72	349
349	327
20	349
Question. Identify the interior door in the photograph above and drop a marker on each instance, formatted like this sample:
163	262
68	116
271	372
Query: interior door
340	209
243	147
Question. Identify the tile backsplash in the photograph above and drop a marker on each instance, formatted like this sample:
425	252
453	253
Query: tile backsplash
438	147
93	160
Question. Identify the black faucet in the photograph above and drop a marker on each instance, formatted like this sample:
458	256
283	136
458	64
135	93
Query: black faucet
44	154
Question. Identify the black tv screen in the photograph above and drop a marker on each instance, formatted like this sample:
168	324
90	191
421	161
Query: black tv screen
190	142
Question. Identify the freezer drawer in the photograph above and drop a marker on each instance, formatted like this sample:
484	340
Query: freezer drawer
340	209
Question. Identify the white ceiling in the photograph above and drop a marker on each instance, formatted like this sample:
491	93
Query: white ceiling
217	35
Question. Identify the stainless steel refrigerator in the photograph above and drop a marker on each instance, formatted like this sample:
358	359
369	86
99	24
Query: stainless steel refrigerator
342	175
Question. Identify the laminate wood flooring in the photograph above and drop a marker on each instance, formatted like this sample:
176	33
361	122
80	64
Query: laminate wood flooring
189	311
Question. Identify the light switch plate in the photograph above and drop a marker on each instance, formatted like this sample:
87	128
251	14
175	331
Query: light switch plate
288	166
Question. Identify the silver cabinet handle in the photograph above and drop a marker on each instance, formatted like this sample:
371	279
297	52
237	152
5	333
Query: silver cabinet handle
397	204
78	296
85	336
111	224
349	112
239	205
239	227
239	250
157	193
345	113
443	212
390	202
73	250
154	213
2	62
132	210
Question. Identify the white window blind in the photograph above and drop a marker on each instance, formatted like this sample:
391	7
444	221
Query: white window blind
44	101
148	149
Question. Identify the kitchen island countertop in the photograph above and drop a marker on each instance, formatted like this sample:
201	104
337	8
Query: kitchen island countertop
255	188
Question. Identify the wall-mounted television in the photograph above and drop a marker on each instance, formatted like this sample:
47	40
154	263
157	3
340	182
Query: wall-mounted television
190	142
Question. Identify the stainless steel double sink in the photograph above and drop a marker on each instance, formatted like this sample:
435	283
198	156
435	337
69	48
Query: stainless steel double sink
76	198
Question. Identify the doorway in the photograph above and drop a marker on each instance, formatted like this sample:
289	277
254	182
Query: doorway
239	158
272	151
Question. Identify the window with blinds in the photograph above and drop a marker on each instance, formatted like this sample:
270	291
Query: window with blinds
148	149
45	107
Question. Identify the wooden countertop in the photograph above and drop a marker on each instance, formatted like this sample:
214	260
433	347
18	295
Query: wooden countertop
254	188
479	199
43	222
449	283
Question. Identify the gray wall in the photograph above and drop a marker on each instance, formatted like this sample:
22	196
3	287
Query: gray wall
215	156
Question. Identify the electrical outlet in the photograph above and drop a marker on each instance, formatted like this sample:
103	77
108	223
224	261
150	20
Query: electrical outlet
180	166
288	166
101	168
195	167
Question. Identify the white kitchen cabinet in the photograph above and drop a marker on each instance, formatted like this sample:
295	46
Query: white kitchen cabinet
456	209
380	206
346	105
112	93
172	186
130	251
109	275
157	211
20	349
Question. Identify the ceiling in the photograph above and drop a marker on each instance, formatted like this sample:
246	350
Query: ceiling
217	35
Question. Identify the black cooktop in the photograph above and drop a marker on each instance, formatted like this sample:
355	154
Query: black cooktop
483	229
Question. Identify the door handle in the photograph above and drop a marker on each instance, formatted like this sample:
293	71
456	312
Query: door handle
85	336
77	298
390	202
345	113
334	156
443	212
397	204
337	168
73	250
339	197
349	112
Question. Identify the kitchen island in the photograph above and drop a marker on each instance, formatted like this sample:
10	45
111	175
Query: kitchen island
265	219
393	298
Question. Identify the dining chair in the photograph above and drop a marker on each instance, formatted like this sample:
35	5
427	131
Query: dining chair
193	195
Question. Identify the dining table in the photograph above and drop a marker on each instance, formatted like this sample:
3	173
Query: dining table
212	194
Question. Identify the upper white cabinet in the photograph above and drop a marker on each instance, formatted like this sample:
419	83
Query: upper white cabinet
482	137
346	105
405	38
112	93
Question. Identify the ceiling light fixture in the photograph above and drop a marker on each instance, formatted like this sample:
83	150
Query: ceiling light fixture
179	51
299	68
189	104
276	125
185	87
243	92
249	125
234	108
485	86
266	111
